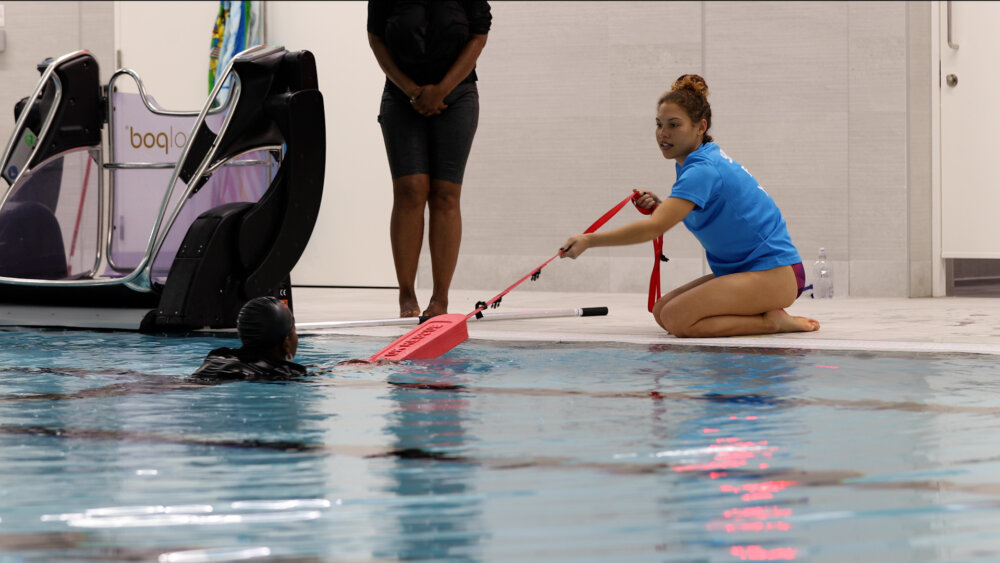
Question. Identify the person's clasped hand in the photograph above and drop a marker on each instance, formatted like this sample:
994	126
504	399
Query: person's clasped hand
429	100
575	245
647	200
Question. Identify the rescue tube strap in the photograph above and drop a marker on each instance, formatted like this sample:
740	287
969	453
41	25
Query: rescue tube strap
654	278
495	301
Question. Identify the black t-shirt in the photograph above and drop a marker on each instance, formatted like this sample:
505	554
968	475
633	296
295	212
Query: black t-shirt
425	37
230	364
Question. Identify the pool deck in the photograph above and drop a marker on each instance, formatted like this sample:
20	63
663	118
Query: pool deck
937	325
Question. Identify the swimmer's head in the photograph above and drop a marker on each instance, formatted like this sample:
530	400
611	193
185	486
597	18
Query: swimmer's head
267	323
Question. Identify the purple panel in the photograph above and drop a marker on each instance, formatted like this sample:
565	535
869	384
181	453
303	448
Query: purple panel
50	220
142	136
229	184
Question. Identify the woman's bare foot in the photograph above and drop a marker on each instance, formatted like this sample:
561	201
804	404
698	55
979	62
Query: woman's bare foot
787	323
435	308
408	306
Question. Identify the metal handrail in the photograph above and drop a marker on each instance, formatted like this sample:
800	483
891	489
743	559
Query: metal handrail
19	125
167	165
146	100
154	249
139	278
159	165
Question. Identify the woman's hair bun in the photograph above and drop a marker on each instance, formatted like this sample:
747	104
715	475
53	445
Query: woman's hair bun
691	82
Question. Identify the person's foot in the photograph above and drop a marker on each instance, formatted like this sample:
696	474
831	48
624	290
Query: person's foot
784	322
408	306
436	307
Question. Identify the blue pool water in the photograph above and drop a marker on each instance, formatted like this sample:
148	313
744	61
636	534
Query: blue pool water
496	452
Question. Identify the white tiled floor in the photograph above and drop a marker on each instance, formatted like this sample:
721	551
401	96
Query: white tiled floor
945	324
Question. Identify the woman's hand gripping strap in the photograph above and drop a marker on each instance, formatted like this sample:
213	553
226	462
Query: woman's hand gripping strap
654	278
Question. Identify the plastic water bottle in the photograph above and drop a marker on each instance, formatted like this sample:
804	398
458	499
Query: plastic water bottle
822	277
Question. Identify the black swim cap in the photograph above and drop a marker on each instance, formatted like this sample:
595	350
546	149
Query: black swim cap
263	322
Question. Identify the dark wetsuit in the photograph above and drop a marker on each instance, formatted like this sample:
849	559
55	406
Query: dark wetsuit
232	364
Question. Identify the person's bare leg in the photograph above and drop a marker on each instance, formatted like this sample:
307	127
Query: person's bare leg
658	306
737	304
406	233
444	239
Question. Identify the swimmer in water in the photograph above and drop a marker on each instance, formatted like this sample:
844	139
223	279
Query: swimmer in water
267	330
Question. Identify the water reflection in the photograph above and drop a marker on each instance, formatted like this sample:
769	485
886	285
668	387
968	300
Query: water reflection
718	455
742	390
111	465
440	516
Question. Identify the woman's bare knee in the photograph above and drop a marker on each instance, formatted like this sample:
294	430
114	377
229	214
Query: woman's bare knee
657	308
674	322
662	302
445	196
679	331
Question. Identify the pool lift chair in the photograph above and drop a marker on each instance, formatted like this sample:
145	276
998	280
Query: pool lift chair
168	245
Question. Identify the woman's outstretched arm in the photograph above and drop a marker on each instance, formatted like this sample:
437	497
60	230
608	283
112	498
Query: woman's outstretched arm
672	211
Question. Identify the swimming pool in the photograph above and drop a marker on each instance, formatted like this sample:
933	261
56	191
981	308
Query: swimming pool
498	452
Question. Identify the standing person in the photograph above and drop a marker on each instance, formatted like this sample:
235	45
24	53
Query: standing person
756	270
429	113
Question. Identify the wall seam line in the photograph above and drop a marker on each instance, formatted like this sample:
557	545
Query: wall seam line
906	153
847	47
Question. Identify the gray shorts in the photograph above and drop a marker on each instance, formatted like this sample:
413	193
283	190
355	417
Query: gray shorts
438	145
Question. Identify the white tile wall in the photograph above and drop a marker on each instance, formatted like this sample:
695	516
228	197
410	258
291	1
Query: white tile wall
36	30
816	99
780	77
877	215
568	94
870	278
918	124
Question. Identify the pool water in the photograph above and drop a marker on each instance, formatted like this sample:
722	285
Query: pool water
496	452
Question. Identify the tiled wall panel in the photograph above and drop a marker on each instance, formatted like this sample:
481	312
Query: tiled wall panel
780	75
919	82
568	99
824	102
877	216
36	30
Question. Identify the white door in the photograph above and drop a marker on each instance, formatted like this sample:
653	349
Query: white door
970	125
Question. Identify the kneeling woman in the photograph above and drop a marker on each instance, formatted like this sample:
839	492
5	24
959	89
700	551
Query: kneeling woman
756	271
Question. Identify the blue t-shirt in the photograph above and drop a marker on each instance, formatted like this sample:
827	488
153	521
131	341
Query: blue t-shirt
739	225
